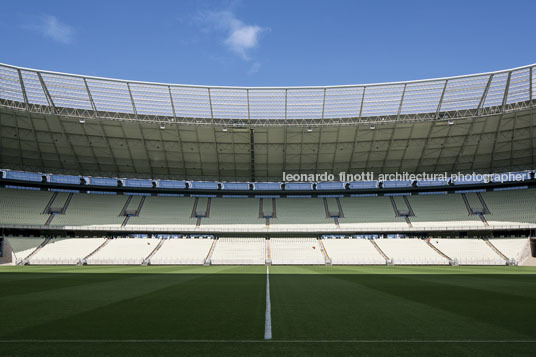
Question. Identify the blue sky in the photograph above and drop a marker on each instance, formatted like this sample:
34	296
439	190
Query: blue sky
268	43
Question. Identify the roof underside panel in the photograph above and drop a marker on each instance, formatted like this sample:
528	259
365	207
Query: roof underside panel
138	149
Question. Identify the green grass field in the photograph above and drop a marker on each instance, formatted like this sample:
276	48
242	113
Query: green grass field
88	311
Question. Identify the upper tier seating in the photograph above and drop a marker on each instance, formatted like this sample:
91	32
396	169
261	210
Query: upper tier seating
410	252
352	251
300	210
66	251
295	251
92	210
368	210
437	208
124	251
468	251
183	251
165	211
234	211
511	206
239	251
507	208
23	207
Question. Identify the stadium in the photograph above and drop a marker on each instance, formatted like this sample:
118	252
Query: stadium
118	195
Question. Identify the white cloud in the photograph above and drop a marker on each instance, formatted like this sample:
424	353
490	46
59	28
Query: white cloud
240	37
254	68
52	28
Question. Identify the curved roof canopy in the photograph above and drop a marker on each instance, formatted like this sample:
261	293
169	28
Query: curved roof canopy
431	99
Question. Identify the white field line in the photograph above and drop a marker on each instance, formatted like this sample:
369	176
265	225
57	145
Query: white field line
265	341
268	314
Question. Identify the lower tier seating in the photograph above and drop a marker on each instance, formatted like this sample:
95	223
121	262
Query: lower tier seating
512	248
124	251
296	251
259	251
410	252
468	251
183	251
23	246
239	251
352	251
60	251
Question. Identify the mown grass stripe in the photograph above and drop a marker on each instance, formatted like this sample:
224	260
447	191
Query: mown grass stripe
266	341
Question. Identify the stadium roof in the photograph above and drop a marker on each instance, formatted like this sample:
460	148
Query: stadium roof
61	123
94	97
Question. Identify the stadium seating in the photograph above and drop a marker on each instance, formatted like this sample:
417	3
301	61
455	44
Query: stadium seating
239	251
233	211
124	251
368	210
468	251
296	251
433	208
511	206
165	211
66	251
22	247
92	210
23	207
352	251
183	251
302	210
512	248
410	252
506	208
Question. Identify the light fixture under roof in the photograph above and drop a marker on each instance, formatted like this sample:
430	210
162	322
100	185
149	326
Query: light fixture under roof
309	129
372	126
82	120
451	122
224	129
162	126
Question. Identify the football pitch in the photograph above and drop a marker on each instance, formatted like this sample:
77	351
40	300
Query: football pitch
222	310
